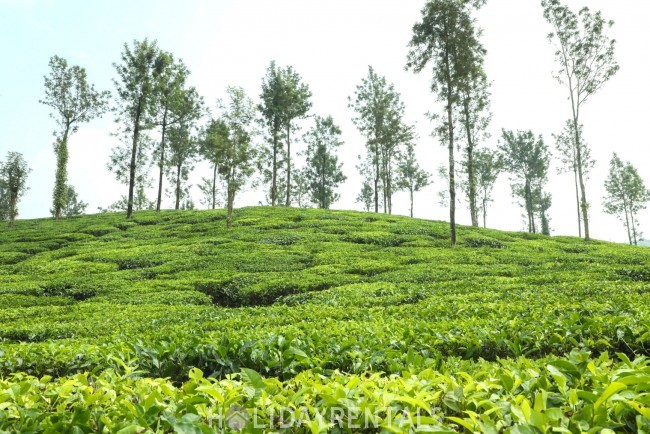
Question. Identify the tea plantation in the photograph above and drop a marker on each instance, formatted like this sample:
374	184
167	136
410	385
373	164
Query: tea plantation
317	321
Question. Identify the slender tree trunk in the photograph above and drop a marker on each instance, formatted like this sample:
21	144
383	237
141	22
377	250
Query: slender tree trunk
470	166
161	162
214	187
633	226
411	197
575	178
13	201
230	204
529	207
583	196
274	174
484	213
61	176
134	153
178	187
452	177
288	202
627	223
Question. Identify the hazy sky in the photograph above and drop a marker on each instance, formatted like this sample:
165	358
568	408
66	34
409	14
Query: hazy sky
330	43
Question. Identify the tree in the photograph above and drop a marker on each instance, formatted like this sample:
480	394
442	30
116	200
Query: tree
120	164
567	154
487	166
366	196
13	179
446	39
73	205
296	106
526	158
379	117
301	189
213	139
272	108
410	176
136	85
74	101
585	56
183	150
236	156
323	172
174	103
626	195
474	116
208	190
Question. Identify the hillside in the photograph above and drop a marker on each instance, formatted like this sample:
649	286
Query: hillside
116	324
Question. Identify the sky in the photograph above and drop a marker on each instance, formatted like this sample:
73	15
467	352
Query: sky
330	43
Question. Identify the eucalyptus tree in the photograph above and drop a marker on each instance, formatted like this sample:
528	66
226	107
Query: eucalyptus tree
213	138
410	176
626	195
565	145
322	171
526	159
137	85
183	152
174	103
272	108
74	101
585	57
379	117
294	105
487	167
13	183
474	116
446	40
236	156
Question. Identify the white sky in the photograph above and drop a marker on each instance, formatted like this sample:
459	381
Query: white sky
330	43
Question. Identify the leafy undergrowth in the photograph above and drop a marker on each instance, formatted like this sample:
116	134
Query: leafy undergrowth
315	311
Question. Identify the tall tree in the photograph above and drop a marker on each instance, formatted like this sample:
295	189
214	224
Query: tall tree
174	103
213	139
379	117
447	40
565	144
273	106
526	158
183	150
74	101
626	195
410	176
138	74
487	166
13	180
585	56
474	116
236	156
297	104
323	172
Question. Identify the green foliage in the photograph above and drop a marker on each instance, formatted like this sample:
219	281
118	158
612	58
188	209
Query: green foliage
626	195
13	184
506	329
74	101
323	172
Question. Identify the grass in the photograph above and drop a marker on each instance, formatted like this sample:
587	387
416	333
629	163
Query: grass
317	299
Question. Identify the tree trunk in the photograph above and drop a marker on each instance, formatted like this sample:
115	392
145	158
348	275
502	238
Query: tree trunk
633	227
411	197
178	186
274	169
484	213
583	196
575	178
61	176
231	201
627	223
528	197
288	202
470	166
13	201
214	187
161	163
134	153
